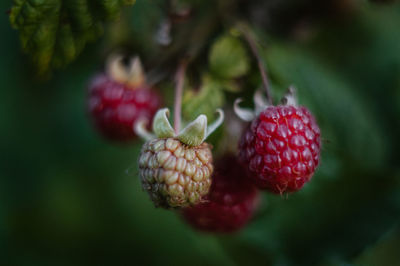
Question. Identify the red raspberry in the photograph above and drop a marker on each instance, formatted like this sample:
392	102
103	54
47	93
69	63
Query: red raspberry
115	106
230	203
281	148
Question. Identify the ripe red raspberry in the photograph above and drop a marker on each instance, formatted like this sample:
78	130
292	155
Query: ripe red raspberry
117	101
281	148
231	202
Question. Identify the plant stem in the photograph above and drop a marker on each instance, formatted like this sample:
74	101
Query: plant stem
179	80
247	34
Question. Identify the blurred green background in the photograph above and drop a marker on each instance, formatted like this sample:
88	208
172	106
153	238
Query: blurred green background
68	197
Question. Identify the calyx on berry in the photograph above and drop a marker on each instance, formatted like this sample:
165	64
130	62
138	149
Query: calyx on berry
130	73
194	134
260	104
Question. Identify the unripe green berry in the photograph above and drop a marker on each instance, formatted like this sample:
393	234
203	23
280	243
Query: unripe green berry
175	174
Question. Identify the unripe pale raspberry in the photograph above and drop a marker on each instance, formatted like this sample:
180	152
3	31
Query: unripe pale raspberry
175	174
231	202
175	168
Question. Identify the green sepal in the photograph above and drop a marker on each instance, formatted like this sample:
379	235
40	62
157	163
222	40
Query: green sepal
214	125
197	131
161	125
194	133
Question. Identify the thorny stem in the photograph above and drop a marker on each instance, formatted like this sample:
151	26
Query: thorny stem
254	49
179	79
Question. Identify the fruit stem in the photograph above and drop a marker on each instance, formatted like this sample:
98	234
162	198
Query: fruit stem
179	79
247	34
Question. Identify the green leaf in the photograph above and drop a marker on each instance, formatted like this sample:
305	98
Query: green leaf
205	101
55	32
230	86
228	58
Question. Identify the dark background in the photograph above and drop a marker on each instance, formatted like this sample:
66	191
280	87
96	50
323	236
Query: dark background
68	197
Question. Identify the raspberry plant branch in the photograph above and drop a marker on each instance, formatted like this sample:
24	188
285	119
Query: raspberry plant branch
179	80
247	34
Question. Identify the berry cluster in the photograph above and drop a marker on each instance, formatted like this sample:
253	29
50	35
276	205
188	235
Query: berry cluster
278	152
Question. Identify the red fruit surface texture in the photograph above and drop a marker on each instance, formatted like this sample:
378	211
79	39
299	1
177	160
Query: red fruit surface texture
115	107
281	148
231	202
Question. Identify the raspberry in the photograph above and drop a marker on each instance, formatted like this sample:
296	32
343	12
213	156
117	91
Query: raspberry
175	168
281	148
175	174
115	104
229	205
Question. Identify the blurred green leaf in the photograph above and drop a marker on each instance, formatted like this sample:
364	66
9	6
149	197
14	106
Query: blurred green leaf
228	58
230	86
204	100
54	32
